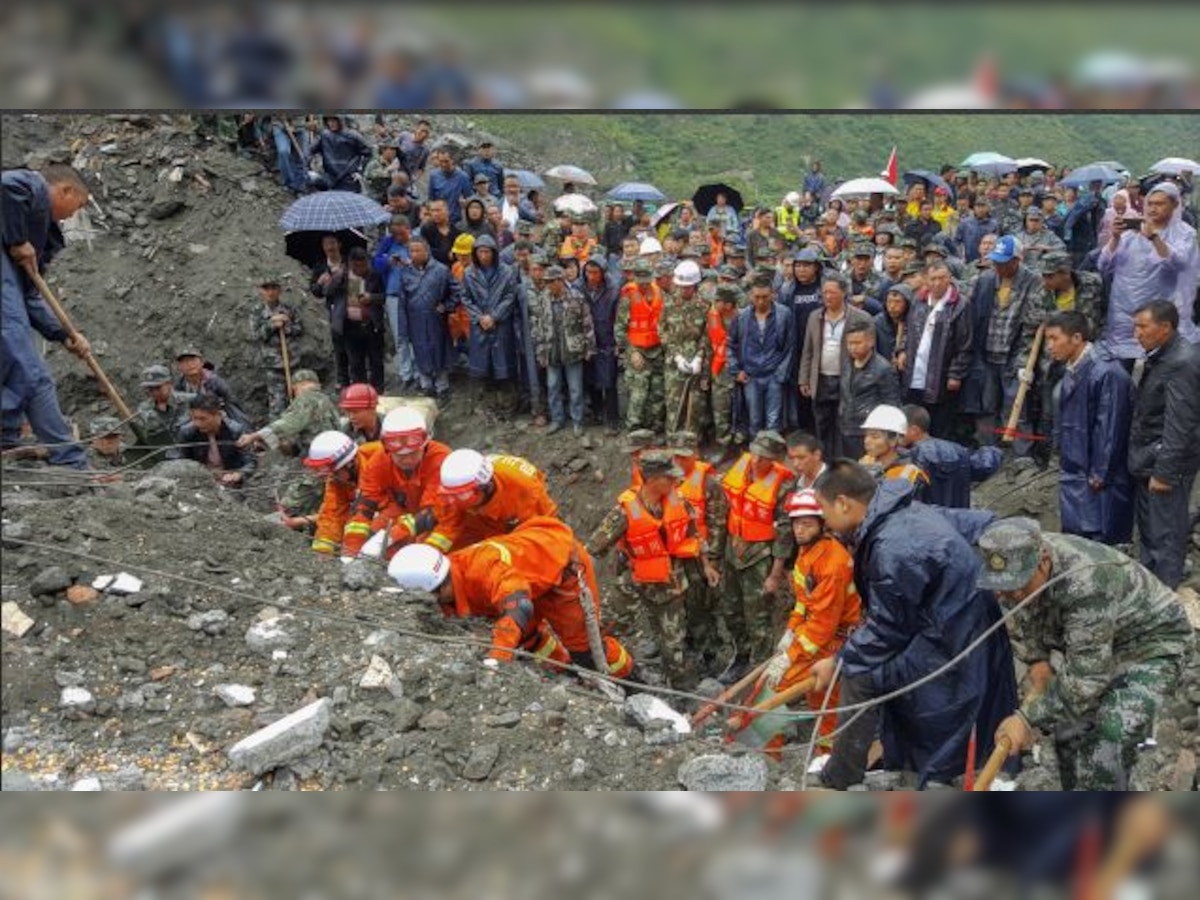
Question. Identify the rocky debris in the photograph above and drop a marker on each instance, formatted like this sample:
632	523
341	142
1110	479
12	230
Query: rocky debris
406	714
271	634
379	676
435	720
481	761
51	580
90	783
12	532
285	740
885	780
211	621
79	594
13	619
382	640
503	720
361	574
660	723
78	699
234	695
718	772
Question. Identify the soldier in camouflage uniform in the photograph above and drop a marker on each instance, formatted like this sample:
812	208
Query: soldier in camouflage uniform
864	280
1071	290
1036	239
657	532
639	344
105	451
159	417
721	382
700	486
1123	635
270	319
310	413
758	548
685	348
564	338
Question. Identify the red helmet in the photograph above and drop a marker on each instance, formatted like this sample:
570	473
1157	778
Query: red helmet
358	396
803	503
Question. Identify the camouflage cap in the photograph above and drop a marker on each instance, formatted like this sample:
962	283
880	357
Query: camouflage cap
639	439
807	255
689	252
1049	263
734	250
1011	549
665	266
1034	212
302	375
153	376
188	350
580	219
554	273
907	242
102	426
643	270
728	293
934	247
539	258
769	444
683	443
862	249
524	227
728	271
658	462
913	268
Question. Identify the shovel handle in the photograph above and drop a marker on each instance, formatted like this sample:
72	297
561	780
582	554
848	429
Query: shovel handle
992	767
727	695
799	689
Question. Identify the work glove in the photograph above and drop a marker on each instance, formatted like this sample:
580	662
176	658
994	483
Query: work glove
1024	377
682	365
785	642
776	669
695	365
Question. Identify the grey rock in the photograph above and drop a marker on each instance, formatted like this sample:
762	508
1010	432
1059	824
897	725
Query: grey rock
662	724
578	769
90	783
717	772
93	529
11	532
165	208
17	737
709	687
233	695
77	698
131	664
503	720
50	580
211	621
64	678
155	486
361	575
382	640
881	780
558	698
15	780
435	720
395	747
406	714
271	634
287	739
127	778
479	764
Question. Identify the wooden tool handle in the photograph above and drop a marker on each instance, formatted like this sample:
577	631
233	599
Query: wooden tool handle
728	695
799	689
1014	416
992	767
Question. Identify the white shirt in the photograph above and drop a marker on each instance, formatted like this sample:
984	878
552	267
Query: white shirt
831	346
921	364
509	213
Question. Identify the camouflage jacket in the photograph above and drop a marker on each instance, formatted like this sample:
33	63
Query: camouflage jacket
613	527
1090	299
1034	245
684	328
1103	620
267	336
159	427
563	331
306	417
98	460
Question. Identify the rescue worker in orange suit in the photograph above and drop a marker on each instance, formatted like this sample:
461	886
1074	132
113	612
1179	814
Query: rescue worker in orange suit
886	457
484	496
532	582
758	549
827	606
701	488
657	532
397	489
638	442
358	403
639	344
334	457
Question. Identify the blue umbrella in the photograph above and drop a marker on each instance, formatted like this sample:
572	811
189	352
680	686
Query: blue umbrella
333	211
629	191
529	181
932	179
1084	175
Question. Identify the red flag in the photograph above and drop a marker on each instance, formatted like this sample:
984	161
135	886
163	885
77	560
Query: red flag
890	171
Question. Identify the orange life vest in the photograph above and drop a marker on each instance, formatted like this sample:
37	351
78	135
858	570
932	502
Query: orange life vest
644	315
717	335
751	502
650	542
691	489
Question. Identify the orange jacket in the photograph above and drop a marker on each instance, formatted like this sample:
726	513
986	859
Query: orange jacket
335	504
650	542
387	495
692	489
644	315
751	502
528	581
827	605
520	494
717	335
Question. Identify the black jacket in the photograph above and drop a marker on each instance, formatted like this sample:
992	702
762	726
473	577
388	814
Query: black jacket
862	390
1163	439
233	459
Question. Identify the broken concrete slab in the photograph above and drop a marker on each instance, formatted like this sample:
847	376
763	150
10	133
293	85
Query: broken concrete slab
287	739
718	772
13	619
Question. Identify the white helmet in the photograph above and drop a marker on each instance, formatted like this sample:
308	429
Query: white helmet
649	245
886	418
465	468
792	198
419	567
404	428
330	450
687	273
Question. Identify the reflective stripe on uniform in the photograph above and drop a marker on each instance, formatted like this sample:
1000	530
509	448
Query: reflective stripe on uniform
440	541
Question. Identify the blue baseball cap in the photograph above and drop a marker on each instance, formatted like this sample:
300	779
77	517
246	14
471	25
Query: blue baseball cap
1007	248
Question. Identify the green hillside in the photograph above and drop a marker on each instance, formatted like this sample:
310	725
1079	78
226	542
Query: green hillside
770	152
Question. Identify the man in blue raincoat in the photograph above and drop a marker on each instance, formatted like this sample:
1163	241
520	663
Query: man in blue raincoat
343	153
427	293
917	574
489	292
33	204
1091	432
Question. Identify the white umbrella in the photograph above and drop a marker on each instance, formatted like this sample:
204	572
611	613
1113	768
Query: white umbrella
576	204
570	173
1031	163
864	187
1175	165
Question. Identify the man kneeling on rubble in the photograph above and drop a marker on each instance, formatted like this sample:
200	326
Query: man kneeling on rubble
533	582
916	576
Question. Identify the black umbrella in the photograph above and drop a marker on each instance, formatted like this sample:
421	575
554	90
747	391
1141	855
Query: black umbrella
931	179
705	197
305	246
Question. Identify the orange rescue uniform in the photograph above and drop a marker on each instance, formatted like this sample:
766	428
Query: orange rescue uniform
519	495
752	501
693	489
645	311
717	339
581	250
388	496
337	500
528	581
650	542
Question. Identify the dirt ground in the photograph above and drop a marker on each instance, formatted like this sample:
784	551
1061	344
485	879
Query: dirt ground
213	567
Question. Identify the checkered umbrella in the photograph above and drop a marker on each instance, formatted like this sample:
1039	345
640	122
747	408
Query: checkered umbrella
333	211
